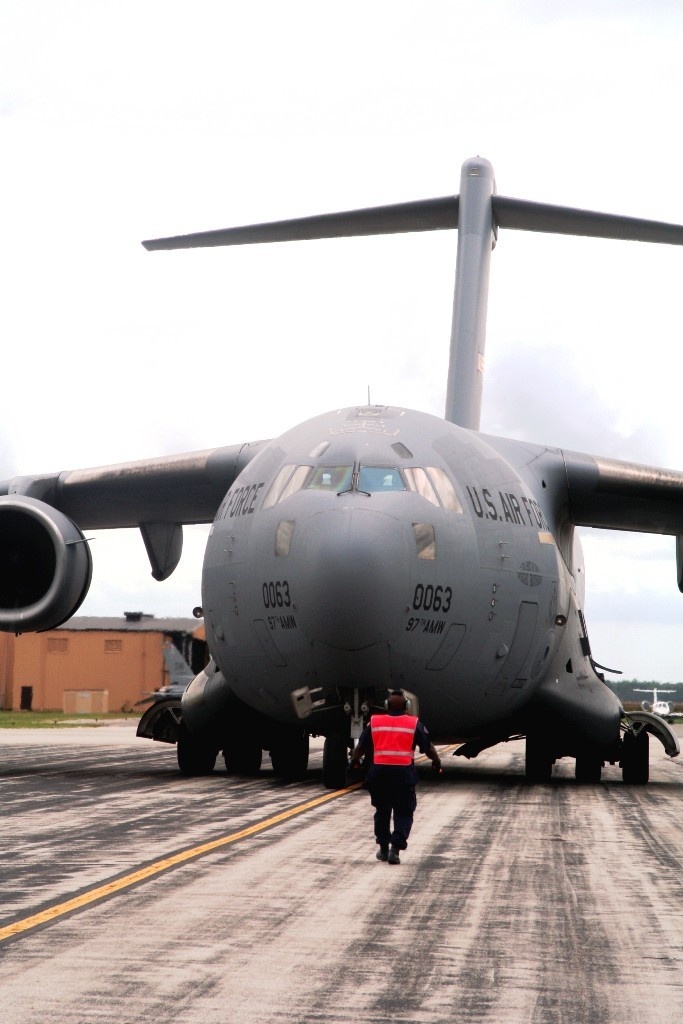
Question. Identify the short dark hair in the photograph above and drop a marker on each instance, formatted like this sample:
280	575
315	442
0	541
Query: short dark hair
397	699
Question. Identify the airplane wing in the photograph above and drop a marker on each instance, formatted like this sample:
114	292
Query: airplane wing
185	488
611	494
591	490
620	495
45	562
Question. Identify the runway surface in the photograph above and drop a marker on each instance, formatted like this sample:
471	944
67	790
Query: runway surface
514	903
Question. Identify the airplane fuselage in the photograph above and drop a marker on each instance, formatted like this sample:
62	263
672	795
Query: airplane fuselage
373	548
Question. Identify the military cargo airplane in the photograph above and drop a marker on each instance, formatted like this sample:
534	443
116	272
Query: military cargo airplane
374	547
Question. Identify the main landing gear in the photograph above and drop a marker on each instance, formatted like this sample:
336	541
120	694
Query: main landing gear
243	755
588	767
635	764
195	755
539	761
289	754
635	758
634	753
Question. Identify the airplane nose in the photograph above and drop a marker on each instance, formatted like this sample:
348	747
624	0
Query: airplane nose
355	578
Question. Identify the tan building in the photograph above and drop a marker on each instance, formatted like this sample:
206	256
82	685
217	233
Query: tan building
93	663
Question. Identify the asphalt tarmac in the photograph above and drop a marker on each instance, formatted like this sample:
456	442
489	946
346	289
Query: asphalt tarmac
514	903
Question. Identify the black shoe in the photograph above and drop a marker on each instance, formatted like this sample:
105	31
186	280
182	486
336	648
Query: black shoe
393	856
383	853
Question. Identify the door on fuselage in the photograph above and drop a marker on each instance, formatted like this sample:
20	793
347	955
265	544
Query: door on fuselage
514	671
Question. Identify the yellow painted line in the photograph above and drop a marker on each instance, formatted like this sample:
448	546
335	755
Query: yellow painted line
103	891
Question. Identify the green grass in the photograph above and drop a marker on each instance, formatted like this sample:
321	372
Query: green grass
57	719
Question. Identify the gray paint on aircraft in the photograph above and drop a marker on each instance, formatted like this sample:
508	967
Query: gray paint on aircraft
338	590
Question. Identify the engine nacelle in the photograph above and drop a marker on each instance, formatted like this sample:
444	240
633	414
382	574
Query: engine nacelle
45	565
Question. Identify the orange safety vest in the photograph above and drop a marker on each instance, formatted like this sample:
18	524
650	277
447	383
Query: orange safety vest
392	738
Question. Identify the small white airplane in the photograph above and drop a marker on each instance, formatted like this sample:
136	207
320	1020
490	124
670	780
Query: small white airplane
658	707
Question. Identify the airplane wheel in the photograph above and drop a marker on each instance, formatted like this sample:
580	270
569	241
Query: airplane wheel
588	768
243	756
289	755
539	761
195	756
635	758
335	761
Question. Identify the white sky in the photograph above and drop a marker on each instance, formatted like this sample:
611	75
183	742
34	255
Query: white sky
130	120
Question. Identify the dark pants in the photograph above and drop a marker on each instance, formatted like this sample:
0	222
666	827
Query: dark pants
392	792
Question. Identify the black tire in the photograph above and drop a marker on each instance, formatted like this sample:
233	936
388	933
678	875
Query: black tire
289	755
195	756
243	756
635	758
335	761
588	768
538	766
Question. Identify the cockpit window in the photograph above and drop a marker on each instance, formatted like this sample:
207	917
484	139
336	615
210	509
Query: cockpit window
330	478
289	479
419	482
277	485
434	485
444	488
380	478
296	482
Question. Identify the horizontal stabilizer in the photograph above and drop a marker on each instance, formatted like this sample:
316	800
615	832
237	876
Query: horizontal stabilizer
564	220
479	213
422	215
432	215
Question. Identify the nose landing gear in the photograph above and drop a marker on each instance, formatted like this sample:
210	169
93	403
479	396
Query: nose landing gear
338	745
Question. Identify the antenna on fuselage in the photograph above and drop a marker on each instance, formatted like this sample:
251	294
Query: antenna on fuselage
478	213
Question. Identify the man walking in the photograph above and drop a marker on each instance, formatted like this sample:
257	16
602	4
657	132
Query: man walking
388	742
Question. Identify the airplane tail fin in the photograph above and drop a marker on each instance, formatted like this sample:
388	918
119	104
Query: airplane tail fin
478	213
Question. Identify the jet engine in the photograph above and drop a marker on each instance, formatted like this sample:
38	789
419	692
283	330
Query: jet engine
45	565
646	705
